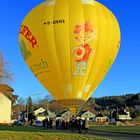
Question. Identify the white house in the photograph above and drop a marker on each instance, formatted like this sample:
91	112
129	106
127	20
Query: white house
86	114
39	110
100	118
6	100
41	114
123	115
64	115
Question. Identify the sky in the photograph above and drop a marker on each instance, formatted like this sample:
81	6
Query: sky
123	77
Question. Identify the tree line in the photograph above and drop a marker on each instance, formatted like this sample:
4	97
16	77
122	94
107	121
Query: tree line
130	102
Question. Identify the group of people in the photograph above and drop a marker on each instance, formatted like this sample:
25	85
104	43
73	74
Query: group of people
74	124
80	125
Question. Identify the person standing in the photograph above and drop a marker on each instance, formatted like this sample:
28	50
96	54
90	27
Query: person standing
44	124
80	126
86	125
72	122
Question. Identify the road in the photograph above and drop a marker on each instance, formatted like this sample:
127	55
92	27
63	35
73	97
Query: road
115	136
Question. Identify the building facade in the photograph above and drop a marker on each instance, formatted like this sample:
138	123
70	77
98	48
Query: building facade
5	109
6	101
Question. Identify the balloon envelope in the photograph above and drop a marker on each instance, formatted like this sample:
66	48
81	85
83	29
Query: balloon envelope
70	45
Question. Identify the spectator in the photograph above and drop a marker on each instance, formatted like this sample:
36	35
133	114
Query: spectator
86	125
53	124
47	123
72	124
80	125
57	124
50	123
44	124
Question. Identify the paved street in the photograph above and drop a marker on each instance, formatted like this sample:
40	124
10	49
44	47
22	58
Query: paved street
115	136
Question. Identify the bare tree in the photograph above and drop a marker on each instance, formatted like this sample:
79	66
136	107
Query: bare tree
5	75
43	103
21	103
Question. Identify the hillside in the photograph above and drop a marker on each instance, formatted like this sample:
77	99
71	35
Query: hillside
128	101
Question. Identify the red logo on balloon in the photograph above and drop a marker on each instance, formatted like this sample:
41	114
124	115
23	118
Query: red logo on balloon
24	30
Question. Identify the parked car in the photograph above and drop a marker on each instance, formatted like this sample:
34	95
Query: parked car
17	123
38	123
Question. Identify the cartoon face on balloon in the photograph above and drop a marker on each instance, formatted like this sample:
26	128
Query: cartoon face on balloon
83	33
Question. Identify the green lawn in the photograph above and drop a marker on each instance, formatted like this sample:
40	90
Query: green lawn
33	133
124	129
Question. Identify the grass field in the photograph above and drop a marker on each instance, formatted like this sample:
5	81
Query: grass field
37	133
33	133
124	129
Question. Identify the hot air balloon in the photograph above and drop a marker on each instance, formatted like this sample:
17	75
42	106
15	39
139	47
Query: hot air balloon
70	45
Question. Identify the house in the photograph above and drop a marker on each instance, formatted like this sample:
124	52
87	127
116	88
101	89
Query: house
64	115
6	101
100	118
41	114
39	110
123	115
86	114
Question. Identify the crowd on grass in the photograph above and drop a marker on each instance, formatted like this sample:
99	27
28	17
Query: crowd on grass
74	124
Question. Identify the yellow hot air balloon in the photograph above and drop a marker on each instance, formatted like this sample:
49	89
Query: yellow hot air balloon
70	45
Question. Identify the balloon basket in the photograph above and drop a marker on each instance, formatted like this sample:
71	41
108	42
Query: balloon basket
74	105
